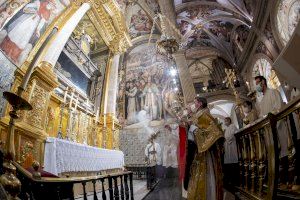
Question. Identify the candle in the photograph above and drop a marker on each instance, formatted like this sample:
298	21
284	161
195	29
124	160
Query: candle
77	100
70	105
97	115
66	93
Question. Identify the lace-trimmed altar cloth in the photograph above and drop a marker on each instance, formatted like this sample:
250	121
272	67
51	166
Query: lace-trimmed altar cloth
66	156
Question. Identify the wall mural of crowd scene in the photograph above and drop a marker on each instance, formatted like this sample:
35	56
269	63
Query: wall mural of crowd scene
145	86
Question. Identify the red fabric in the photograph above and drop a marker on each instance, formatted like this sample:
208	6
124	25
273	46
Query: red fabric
11	49
43	11
182	152
43	173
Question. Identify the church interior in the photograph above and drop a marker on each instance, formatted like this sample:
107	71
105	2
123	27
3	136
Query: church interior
149	99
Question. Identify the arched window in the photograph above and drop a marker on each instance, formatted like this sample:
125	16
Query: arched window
262	67
288	15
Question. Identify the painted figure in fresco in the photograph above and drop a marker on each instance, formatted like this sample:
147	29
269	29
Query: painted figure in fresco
151	101
19	33
139	23
131	107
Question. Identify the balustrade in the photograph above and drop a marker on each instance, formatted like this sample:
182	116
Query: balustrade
259	156
112	187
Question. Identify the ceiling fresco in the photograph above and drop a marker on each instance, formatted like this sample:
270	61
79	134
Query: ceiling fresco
221	24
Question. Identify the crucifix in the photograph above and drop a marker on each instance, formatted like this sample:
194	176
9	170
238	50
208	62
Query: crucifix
230	80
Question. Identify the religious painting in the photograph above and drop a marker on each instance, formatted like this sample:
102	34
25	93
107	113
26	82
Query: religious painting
20	34
146	76
70	70
139	23
9	8
240	36
7	70
153	4
288	15
221	29
196	16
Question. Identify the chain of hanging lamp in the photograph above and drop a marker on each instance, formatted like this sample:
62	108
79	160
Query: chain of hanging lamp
167	44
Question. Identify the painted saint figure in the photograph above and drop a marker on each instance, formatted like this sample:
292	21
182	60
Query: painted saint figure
131	107
151	101
33	19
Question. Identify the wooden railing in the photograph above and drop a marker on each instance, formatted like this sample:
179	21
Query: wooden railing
259	150
116	186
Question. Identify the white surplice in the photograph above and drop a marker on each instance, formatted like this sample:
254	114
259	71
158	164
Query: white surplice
170	147
230	147
154	158
271	102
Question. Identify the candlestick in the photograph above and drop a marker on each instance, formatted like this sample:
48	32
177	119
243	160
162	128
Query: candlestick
65	95
77	100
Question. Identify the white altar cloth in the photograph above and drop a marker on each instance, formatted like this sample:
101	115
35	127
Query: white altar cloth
65	156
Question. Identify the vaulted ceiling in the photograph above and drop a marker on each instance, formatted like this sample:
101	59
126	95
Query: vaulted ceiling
209	29
219	25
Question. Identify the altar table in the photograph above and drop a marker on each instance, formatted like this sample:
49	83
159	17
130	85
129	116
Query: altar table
66	156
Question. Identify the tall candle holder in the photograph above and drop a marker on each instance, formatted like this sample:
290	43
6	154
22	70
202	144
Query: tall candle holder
62	110
8	180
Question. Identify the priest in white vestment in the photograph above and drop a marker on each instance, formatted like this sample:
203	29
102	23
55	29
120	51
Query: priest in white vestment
271	102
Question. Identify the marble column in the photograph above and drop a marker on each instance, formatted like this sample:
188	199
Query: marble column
62	36
186	80
112	86
110	102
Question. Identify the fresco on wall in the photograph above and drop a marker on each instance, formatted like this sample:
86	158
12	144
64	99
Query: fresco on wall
139	23
21	33
146	74
7	70
9	8
288	15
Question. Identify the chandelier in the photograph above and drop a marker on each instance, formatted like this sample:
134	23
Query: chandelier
167	44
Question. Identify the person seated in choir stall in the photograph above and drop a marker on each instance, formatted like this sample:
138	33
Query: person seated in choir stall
249	112
231	166
205	174
271	102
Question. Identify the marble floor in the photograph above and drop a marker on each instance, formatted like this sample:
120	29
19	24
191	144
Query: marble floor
166	189
169	189
139	188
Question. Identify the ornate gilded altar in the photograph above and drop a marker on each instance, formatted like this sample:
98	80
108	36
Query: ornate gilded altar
52	112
